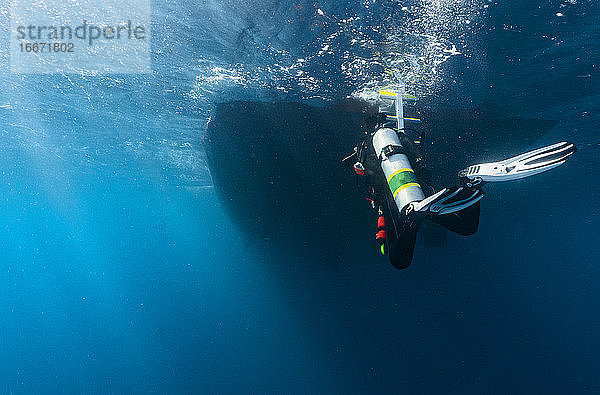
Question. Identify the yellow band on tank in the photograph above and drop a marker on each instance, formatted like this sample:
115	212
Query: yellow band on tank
398	172
410	184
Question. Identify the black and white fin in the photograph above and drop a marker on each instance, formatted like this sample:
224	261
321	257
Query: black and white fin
520	166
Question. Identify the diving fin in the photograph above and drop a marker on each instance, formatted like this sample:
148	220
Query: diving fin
464	222
520	166
448	201
455	208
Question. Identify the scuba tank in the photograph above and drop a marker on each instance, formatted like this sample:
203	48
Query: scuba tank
396	167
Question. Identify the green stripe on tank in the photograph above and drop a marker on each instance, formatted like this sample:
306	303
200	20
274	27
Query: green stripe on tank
402	178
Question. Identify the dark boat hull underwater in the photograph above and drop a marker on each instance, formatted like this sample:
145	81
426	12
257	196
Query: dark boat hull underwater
277	170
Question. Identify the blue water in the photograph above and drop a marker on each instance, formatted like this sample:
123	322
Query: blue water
122	273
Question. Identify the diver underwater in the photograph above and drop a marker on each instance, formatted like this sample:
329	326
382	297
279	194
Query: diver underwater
394	179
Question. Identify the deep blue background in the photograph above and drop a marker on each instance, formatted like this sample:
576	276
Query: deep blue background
120	272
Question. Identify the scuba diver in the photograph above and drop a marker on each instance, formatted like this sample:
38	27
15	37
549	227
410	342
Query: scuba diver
398	183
